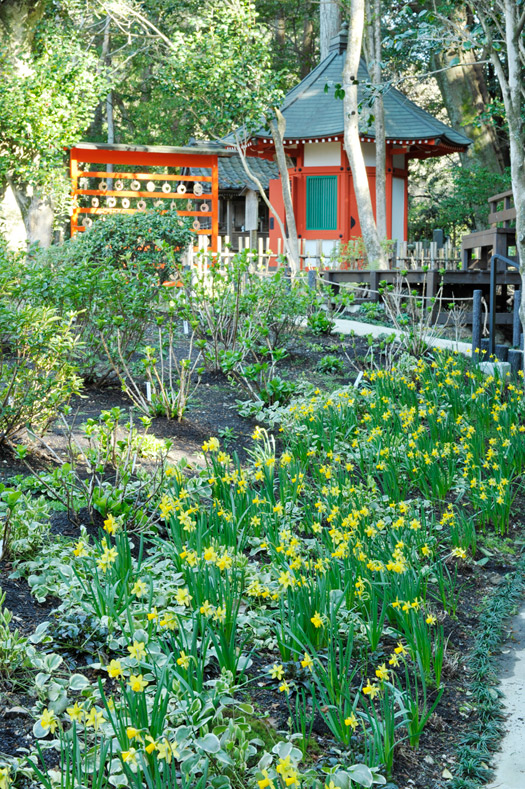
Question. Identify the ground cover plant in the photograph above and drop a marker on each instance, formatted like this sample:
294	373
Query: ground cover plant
323	572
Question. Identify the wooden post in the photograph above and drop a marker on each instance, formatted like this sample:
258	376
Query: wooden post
73	169
214	204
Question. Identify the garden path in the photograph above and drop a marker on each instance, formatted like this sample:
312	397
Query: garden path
344	326
510	761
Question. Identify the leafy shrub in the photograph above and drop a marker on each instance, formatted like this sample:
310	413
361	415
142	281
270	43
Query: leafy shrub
330	364
235	309
103	298
37	375
320	323
109	277
277	390
170	381
154	239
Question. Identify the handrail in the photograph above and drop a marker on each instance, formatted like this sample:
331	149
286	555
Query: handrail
492	297
506	214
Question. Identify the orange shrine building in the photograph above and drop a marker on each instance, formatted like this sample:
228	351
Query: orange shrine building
322	191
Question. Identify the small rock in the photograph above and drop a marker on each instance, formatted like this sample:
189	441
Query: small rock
496	369
428	759
447	774
12	711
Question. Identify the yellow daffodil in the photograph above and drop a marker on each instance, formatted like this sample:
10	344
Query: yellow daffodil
307	661
277	671
137	683
94	719
351	721
317	620
114	669
49	720
138	650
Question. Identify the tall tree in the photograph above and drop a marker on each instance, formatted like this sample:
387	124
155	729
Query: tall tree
373	14
376	253
329	24
503	23
48	93
463	85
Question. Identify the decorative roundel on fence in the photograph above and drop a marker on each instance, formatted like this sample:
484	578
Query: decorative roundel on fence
181	189
205	207
150	186
95	202
196	225
166	188
141	205
197	189
87	221
102	185
158	204
125	202
119	185
111	202
135	185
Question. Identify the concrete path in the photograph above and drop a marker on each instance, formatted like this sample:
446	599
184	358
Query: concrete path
510	761
344	326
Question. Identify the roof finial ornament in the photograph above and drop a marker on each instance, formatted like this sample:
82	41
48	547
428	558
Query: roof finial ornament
339	42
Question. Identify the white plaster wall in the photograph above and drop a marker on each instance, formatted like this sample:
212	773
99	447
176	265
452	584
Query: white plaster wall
310	248
398	209
398	160
369	153
322	154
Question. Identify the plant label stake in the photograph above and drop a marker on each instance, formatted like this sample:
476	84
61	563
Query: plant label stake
148	391
186	327
358	379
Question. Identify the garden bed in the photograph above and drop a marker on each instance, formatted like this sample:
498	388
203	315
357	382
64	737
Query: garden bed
328	463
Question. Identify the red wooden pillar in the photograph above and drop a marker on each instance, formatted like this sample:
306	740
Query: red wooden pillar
214	204
73	170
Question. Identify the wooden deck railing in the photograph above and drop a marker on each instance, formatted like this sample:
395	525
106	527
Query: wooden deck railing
507	214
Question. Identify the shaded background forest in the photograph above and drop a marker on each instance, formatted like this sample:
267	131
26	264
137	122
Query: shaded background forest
162	73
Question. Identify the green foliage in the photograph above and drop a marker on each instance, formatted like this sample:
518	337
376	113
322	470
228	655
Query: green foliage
12	644
240	316
221	64
109	277
331	364
25	523
156	239
320	323
37	375
47	98
458	201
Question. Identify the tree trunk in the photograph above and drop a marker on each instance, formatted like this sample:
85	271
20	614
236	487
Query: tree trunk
330	24
278	127
514	106
242	155
106	58
37	213
465	95
376	255
19	19
374	28
307	47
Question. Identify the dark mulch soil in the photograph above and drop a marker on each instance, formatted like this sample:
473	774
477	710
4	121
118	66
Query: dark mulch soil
27	612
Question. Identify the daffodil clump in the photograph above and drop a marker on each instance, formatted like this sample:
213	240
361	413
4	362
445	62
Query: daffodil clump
335	559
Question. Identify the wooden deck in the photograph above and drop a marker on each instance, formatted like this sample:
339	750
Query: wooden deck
454	284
